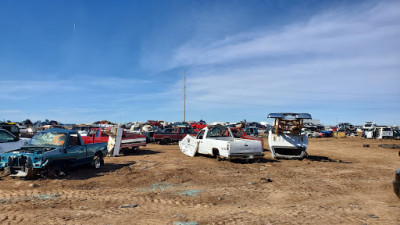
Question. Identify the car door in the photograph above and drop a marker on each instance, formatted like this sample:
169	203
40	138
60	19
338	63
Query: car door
76	149
200	140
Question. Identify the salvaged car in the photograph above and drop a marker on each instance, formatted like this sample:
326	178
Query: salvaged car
285	139
82	129
379	133
219	141
174	134
126	142
369	126
251	131
12	128
396	134
197	126
52	150
9	141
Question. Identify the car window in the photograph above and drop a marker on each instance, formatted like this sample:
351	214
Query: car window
74	140
218	132
190	131
6	137
236	133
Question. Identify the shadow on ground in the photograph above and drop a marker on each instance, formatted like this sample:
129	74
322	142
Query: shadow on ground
140	152
86	172
319	158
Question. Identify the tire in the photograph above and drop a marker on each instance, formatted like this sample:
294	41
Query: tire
164	141
396	188
98	161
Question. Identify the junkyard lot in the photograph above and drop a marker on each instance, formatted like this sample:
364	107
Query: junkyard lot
342	182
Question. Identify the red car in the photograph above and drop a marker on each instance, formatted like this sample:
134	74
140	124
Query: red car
97	135
154	123
197	126
174	134
239	133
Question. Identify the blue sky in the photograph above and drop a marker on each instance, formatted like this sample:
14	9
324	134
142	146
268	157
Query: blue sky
82	61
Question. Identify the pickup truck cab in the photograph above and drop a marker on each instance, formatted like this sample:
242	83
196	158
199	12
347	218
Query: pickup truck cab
174	134
55	149
220	142
286	139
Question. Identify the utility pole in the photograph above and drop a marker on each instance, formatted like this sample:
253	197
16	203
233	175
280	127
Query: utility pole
184	96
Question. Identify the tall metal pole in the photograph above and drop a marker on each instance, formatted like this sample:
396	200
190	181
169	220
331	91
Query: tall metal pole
184	96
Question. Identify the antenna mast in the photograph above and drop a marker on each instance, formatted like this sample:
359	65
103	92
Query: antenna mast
184	96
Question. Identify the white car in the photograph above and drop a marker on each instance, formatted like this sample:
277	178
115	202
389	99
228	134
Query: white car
9	142
219	141
369	126
286	139
379	133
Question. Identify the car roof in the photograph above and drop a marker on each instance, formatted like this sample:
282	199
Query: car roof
60	130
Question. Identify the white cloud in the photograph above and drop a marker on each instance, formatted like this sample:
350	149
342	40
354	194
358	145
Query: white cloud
343	57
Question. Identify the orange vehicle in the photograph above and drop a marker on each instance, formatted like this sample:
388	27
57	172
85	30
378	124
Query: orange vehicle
239	133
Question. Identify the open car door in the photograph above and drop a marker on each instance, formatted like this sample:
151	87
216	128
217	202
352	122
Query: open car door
189	145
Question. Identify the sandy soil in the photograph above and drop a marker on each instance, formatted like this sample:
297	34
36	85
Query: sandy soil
341	182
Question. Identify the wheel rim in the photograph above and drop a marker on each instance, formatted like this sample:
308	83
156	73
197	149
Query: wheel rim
97	163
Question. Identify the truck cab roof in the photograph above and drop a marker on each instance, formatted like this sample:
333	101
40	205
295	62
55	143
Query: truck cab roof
60	130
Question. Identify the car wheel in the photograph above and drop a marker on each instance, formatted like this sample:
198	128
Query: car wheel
98	161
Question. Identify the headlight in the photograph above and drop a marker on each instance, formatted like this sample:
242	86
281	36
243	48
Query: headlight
30	130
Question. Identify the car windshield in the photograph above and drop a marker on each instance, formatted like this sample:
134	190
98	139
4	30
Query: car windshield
48	138
6	137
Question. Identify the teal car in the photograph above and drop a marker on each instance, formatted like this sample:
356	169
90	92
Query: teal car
396	134
52	150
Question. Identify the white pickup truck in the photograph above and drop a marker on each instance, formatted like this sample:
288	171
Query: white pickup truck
219	141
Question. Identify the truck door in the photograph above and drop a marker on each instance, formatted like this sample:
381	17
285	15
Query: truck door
77	149
200	139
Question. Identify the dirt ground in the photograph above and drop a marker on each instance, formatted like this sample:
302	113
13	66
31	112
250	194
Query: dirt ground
341	182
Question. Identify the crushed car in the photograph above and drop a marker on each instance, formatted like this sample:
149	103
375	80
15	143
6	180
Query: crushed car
52	151
220	142
286	139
